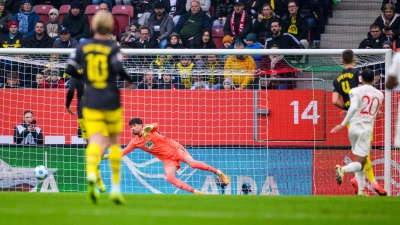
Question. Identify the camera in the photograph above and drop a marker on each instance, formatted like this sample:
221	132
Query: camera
33	123
386	28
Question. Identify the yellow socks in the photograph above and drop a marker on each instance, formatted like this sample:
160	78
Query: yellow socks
92	158
115	164
369	172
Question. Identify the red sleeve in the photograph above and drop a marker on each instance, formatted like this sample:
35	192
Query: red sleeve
131	146
155	126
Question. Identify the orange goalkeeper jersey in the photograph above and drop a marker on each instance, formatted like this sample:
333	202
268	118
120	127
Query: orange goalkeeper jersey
155	144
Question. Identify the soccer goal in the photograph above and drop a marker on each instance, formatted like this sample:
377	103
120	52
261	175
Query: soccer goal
264	120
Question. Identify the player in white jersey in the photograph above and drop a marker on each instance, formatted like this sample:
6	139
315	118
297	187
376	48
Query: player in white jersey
365	106
391	82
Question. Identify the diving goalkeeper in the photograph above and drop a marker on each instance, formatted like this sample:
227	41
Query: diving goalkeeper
170	152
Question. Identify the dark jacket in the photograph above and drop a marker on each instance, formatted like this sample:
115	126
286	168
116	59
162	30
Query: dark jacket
180	7
301	24
199	44
45	42
281	7
248	26
137	44
37	135
13	6
283	41
176	46
4	19
205	22
72	43
16	42
373	43
77	25
223	9
263	28
144	85
393	25
169	86
166	26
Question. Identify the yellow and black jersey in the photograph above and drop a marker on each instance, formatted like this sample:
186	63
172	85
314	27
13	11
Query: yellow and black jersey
16	41
350	78
76	84
100	63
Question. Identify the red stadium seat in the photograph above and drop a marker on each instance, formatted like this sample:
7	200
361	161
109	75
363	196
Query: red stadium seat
124	14
218	35
64	10
43	12
90	11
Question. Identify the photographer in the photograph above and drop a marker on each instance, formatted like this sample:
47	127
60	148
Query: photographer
375	38
28	132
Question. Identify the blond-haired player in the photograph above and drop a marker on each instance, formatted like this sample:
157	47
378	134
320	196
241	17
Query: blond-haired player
365	106
100	63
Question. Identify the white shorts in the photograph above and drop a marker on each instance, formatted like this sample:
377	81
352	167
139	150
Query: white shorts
360	139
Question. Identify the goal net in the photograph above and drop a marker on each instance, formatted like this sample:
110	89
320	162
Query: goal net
264	120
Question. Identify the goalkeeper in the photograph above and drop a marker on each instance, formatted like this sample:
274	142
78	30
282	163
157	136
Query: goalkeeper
166	150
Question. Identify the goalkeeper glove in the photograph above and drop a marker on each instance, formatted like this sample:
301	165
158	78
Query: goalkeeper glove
105	156
148	128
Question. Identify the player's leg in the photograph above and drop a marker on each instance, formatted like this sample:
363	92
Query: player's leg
100	184
170	171
188	159
114	124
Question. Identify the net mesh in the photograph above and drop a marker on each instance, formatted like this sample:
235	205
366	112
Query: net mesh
271	137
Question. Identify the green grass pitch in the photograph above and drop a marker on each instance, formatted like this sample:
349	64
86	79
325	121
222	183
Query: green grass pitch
74	208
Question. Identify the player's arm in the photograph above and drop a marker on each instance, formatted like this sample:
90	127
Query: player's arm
350	112
73	66
131	146
70	94
150	127
391	78
336	100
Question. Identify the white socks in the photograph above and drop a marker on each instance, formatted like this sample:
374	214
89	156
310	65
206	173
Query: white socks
360	176
352	167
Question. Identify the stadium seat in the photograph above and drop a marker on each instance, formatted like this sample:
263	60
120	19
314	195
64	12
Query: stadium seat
218	35
64	10
43	12
124	14
91	10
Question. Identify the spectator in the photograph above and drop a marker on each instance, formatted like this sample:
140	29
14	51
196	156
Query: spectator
113	39
174	42
39	80
12	80
191	24
149	81
175	8
215	69
204	4
5	18
147	9
53	26
123	2
132	32
104	6
159	65
239	23
296	23
27	19
65	40
228	84
205	42
145	40
160	24
199	81
281	8
12	6
41	39
256	7
108	3
184	67
275	66
227	43
251	43
77	22
13	39
168	81
28	132
240	68
223	9
54	81
85	3
262	25
261	84
280	39
389	22
375	38
395	3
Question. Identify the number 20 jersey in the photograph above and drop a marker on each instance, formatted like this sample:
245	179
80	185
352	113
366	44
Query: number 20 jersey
100	62
350	78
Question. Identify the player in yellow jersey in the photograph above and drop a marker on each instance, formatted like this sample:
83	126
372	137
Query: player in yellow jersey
100	62
350	78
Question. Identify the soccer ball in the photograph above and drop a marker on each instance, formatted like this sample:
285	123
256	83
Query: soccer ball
41	172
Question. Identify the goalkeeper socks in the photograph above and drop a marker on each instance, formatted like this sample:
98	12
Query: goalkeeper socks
360	176
202	166
352	167
115	164
92	158
369	171
178	183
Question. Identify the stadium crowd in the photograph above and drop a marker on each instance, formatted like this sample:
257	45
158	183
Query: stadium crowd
172	24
